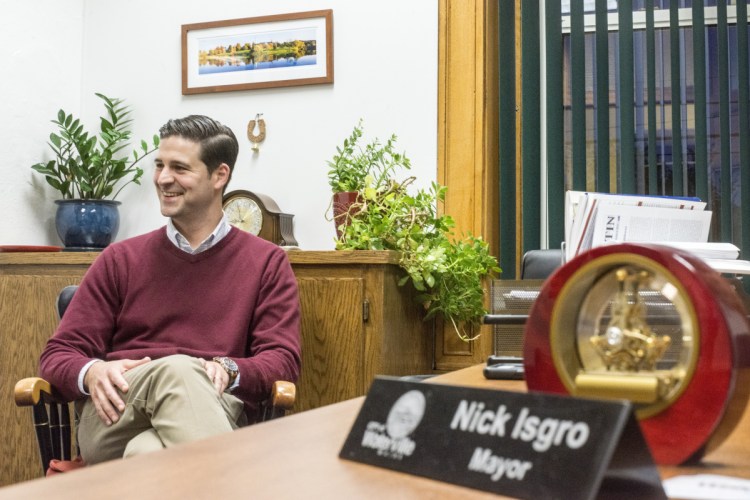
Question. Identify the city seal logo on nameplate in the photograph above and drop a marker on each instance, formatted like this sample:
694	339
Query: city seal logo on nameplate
516	444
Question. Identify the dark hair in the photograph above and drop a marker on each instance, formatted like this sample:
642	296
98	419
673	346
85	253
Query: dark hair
217	141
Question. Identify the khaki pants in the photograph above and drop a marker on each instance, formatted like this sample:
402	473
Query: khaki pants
170	401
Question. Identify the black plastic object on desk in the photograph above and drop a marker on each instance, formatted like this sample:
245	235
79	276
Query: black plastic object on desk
504	368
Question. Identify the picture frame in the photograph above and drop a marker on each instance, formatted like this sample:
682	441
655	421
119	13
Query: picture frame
280	50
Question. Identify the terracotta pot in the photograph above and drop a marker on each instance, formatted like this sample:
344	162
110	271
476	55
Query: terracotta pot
343	210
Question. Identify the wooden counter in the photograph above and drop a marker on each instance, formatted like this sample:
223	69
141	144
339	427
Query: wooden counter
356	323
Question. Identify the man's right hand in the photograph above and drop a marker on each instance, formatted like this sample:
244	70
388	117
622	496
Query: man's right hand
102	380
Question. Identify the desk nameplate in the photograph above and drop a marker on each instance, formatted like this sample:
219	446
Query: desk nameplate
522	445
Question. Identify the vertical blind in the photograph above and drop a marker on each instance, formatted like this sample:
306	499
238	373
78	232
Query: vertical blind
628	96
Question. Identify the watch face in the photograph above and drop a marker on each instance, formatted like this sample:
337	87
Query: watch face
230	364
245	214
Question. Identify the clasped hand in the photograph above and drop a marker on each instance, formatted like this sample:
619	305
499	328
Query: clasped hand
104	379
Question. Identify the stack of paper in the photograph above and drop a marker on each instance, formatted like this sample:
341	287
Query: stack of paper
725	251
594	219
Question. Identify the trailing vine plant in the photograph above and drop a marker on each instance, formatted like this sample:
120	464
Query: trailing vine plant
447	272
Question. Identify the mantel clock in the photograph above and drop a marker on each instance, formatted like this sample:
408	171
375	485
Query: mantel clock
259	215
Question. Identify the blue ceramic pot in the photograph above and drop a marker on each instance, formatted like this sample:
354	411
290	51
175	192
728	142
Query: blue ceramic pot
87	224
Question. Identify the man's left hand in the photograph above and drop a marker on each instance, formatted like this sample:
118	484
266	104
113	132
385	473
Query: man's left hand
218	375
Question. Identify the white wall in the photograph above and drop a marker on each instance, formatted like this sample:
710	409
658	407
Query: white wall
385	72
40	73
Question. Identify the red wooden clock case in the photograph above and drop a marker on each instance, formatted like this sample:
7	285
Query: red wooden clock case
711	404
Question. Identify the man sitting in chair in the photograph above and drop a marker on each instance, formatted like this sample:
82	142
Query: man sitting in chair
172	334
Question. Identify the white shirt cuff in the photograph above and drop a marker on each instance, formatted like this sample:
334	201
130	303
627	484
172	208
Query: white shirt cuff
82	374
235	384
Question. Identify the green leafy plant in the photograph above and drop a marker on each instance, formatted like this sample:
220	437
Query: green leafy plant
88	166
352	163
446	271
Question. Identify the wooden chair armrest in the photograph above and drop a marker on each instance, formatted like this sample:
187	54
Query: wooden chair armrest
30	391
283	394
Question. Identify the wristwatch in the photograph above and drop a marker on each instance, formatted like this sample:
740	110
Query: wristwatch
229	366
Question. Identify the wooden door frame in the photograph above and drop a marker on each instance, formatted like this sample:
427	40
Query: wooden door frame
468	142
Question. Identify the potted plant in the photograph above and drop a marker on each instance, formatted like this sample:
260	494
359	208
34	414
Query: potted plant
447	271
353	165
90	171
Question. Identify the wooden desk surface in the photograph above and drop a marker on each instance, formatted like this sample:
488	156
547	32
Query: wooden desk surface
297	457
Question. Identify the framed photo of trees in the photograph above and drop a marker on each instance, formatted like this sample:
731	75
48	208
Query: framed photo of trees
258	52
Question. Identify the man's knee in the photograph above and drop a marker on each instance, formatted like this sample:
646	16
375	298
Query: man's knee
145	442
179	367
168	375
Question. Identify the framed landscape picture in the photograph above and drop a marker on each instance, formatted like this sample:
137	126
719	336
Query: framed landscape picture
258	52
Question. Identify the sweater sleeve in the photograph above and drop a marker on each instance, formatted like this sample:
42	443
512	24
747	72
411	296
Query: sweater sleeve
274	349
85	330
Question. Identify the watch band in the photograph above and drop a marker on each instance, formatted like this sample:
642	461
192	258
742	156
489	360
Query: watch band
229	366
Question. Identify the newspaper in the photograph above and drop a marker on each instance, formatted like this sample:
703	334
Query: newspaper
582	217
593	219
647	225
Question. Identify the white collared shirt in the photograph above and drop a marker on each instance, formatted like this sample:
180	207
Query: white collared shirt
221	230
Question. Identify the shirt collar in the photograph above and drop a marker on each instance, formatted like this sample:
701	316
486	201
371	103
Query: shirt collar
221	230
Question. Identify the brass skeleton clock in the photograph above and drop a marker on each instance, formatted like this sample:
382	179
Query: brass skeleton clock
259	215
650	324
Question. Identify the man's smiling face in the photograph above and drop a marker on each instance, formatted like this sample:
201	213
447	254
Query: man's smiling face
184	187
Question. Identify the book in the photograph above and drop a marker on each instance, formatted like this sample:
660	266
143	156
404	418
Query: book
714	251
728	266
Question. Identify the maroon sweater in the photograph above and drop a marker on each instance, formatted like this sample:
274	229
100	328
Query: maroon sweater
145	297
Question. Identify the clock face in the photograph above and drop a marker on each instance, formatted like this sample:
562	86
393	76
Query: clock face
258	214
244	213
635	323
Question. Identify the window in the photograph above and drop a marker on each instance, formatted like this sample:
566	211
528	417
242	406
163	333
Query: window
625	100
